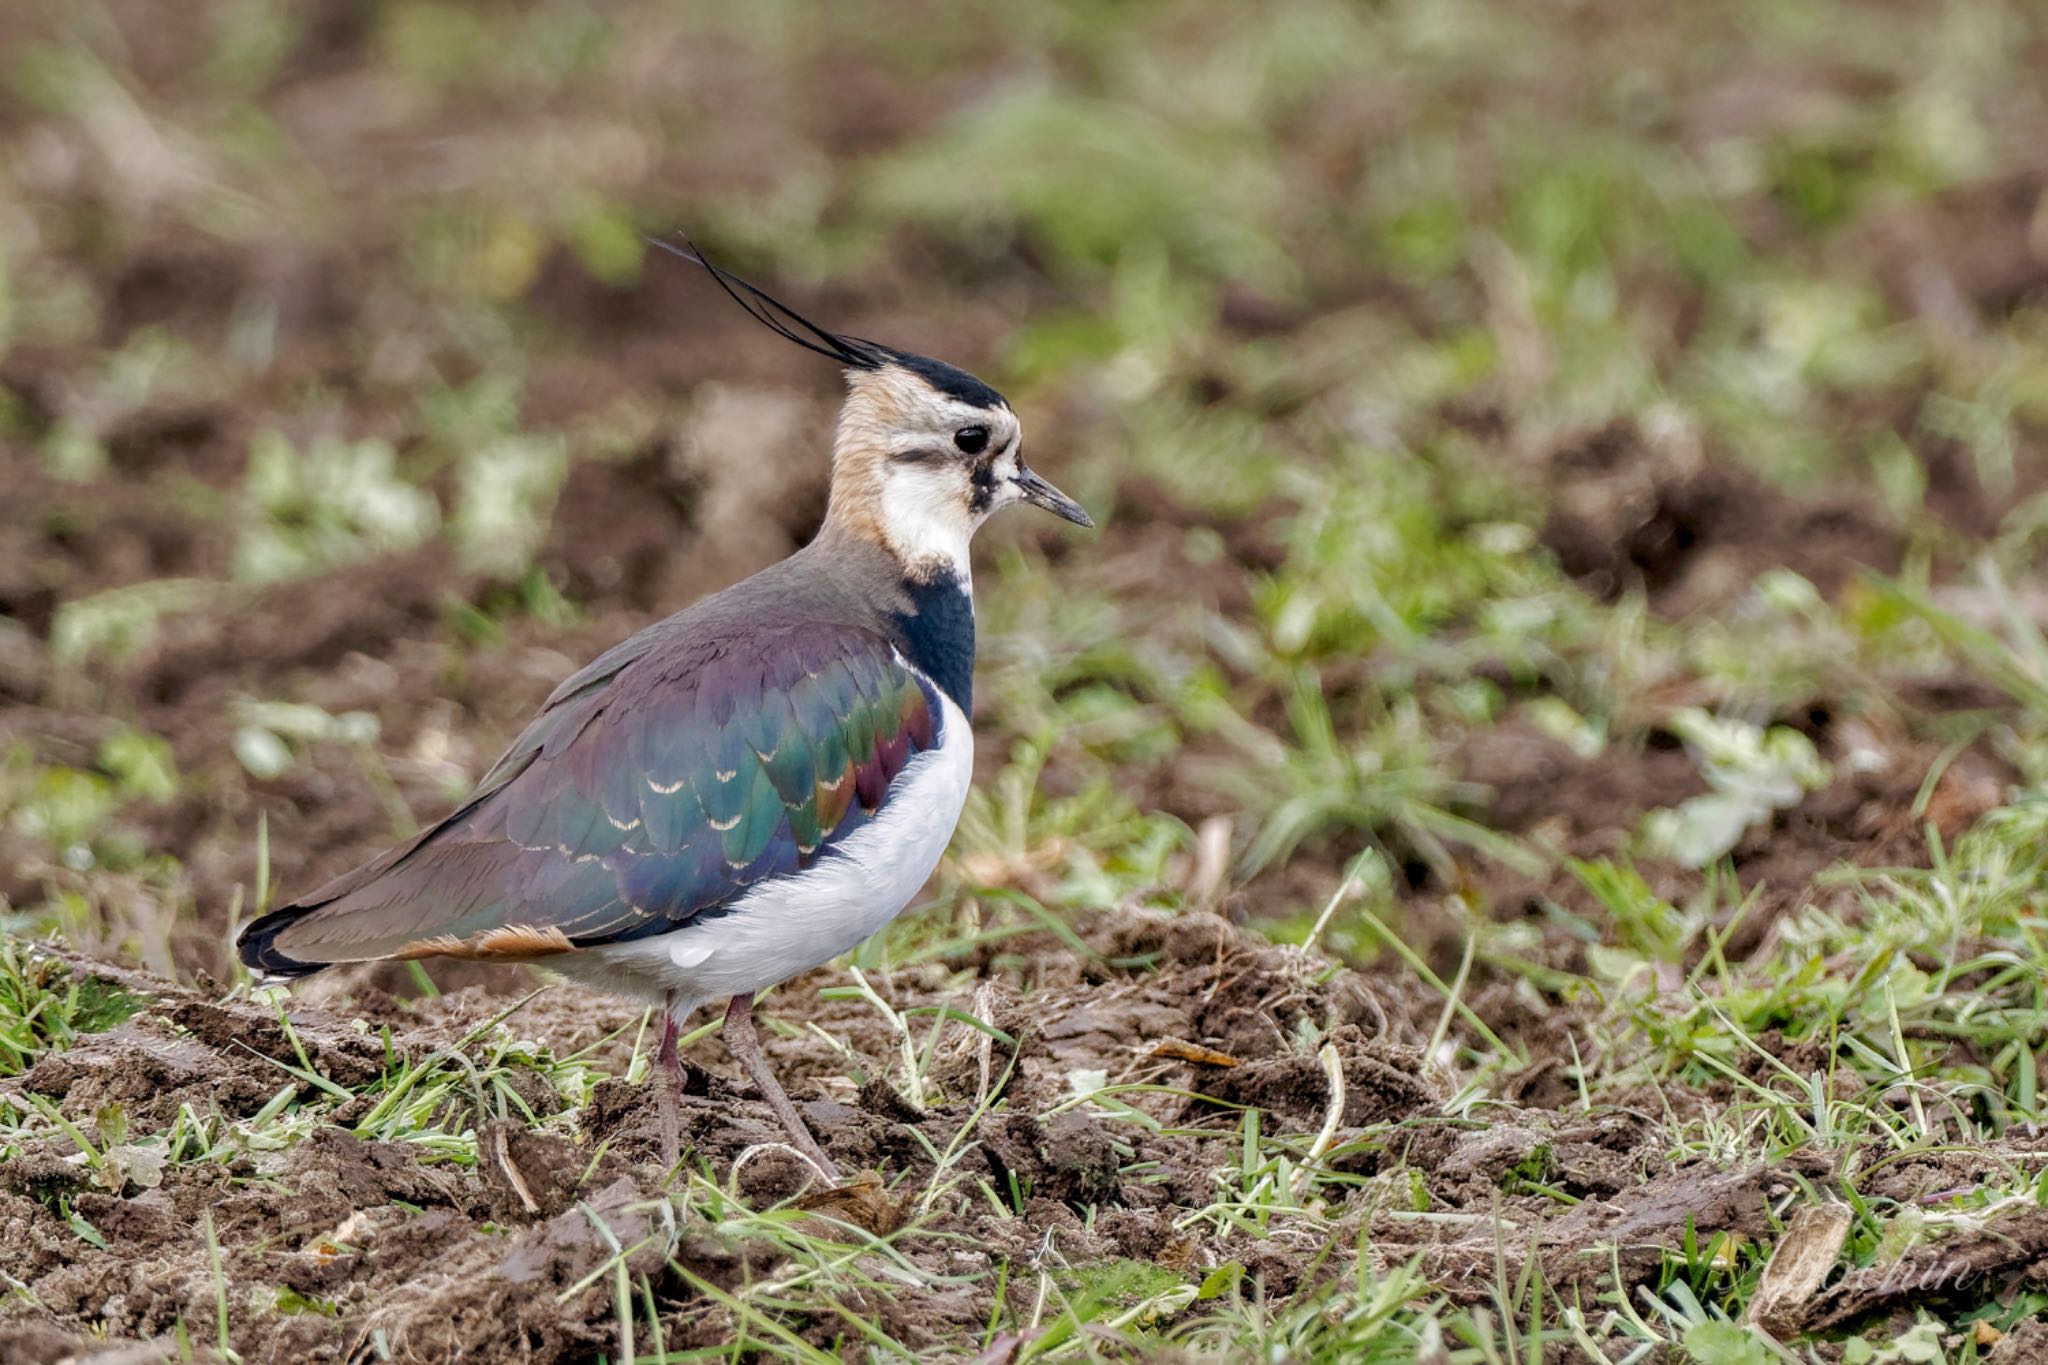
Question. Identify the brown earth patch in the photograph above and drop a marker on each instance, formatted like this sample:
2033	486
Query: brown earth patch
1632	509
1967	1264
337	1237
1581	1247
1870	813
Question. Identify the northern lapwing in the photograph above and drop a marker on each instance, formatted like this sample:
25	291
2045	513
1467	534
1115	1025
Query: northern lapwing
749	788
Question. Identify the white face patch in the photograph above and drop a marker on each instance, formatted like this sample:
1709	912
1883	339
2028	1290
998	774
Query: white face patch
899	437
926	515
931	509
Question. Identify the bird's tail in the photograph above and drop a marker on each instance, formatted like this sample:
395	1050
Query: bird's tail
257	946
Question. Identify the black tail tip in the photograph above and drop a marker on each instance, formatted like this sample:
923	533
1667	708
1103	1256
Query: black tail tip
257	946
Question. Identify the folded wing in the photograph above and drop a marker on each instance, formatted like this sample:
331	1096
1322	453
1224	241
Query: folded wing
655	787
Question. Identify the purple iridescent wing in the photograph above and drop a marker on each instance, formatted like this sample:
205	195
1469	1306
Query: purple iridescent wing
661	782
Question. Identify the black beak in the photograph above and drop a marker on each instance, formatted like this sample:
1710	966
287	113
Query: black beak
1039	493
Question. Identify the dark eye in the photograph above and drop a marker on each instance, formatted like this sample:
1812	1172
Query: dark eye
971	440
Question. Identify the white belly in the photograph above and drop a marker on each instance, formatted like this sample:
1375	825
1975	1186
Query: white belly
792	924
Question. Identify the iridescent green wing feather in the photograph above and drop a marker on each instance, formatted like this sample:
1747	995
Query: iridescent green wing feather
660	783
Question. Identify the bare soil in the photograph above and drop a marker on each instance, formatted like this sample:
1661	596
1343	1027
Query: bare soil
443	1258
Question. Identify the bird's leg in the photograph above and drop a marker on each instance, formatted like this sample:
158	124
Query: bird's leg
745	1044
669	1086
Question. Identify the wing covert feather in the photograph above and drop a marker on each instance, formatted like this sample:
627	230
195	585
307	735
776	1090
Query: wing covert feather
656	785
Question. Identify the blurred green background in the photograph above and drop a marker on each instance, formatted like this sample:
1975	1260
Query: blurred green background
1473	393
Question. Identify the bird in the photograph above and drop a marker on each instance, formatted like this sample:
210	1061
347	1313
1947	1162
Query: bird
748	788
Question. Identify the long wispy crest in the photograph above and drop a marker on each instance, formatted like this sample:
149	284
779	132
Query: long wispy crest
771	313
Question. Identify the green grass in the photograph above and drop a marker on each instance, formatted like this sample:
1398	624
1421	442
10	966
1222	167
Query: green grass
43	1008
1277	1188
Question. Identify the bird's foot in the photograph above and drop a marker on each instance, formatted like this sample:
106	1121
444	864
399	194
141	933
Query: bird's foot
668	1091
806	1145
745	1046
671	1126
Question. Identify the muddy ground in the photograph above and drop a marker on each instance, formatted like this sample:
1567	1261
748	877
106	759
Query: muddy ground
341	1248
432	1258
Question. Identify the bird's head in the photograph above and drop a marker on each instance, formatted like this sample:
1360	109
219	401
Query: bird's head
924	453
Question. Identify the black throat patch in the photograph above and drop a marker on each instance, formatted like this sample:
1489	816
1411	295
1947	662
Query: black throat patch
937	635
983	478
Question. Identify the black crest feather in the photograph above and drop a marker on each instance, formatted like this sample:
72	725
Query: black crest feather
778	316
853	352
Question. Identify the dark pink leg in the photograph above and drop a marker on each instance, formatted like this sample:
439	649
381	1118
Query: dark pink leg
669	1087
745	1046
